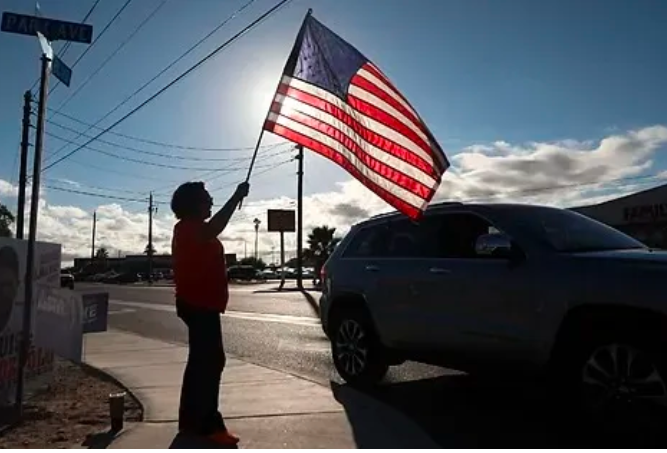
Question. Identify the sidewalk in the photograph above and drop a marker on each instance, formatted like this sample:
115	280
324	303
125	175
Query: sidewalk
266	408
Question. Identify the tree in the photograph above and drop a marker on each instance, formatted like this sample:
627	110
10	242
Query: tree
6	221
322	241
149	249
251	261
102	254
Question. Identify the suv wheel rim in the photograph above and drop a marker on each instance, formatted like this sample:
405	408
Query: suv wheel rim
618	374
351	349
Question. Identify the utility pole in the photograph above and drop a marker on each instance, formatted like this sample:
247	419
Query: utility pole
299	219
151	210
256	222
32	235
92	242
23	169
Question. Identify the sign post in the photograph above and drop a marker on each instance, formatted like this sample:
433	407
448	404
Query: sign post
46	30
282	221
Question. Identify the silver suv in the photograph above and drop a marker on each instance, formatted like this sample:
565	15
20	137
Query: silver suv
498	287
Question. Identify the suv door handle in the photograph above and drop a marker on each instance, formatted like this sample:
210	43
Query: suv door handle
372	268
439	270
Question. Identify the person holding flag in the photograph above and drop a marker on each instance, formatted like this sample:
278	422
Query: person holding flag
200	278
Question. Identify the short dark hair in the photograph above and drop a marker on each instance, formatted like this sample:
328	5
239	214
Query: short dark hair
9	259
185	201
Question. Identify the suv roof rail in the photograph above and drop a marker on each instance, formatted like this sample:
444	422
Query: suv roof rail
433	206
446	203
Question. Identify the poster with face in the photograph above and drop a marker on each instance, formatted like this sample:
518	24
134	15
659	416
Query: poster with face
56	324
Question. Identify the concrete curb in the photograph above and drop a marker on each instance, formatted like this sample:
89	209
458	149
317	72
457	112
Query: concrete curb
107	375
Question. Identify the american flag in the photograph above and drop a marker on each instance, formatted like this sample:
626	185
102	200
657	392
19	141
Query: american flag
334	101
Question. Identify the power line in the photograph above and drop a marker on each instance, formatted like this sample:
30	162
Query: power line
142	151
204	176
89	186
67	45
158	143
165	69
92	194
92	44
113	54
129	159
177	79
139	161
271	168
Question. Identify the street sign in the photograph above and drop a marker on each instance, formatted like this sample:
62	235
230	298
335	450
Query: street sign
61	71
282	220
53	29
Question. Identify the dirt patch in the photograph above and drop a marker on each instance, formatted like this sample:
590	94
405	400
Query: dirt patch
73	410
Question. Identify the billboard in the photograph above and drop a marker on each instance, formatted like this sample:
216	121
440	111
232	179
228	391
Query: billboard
281	220
57	325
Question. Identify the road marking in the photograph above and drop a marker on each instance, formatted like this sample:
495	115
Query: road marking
120	311
264	317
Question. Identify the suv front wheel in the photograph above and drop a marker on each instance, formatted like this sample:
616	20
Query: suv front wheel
357	353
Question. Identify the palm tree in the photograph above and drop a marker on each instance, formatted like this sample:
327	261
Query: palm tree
321	244
102	254
6	220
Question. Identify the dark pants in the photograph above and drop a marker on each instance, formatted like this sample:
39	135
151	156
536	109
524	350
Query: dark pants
198	413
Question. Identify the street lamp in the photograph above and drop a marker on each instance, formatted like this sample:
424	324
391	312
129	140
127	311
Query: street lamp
256	222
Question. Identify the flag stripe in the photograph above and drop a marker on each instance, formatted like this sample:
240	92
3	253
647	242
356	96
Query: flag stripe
417	135
418	170
373	131
383	78
371	84
335	156
388	120
333	144
369	123
392	173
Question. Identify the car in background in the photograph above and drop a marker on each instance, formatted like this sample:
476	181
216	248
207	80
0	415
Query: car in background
269	274
66	280
126	277
530	290
243	273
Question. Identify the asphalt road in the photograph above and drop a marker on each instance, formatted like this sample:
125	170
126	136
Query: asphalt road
282	331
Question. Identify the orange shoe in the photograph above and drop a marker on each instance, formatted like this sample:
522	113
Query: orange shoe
224	437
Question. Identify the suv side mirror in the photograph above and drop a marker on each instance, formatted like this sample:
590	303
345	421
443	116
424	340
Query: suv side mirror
496	245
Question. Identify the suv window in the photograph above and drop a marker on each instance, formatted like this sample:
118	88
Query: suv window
455	235
368	242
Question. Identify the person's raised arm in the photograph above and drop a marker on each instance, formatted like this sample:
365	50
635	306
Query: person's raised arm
220	219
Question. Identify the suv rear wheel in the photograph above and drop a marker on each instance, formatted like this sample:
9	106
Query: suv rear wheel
617	374
357	353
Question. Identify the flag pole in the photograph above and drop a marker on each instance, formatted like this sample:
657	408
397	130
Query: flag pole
291	62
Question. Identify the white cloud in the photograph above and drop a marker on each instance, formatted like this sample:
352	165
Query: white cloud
586	172
7	189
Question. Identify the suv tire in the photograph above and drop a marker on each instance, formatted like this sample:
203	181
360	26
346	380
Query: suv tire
612	373
357	353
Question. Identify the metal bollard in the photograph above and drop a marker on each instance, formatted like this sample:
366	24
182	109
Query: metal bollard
117	411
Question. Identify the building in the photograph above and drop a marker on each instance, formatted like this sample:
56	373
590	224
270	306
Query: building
642	215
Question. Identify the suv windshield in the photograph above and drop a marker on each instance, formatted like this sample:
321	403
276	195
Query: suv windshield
567	231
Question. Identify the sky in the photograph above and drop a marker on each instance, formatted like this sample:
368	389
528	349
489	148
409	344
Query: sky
556	102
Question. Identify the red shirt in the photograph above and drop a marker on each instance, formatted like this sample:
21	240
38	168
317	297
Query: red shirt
200	272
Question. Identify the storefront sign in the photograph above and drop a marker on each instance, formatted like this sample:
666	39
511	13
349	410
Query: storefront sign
645	213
